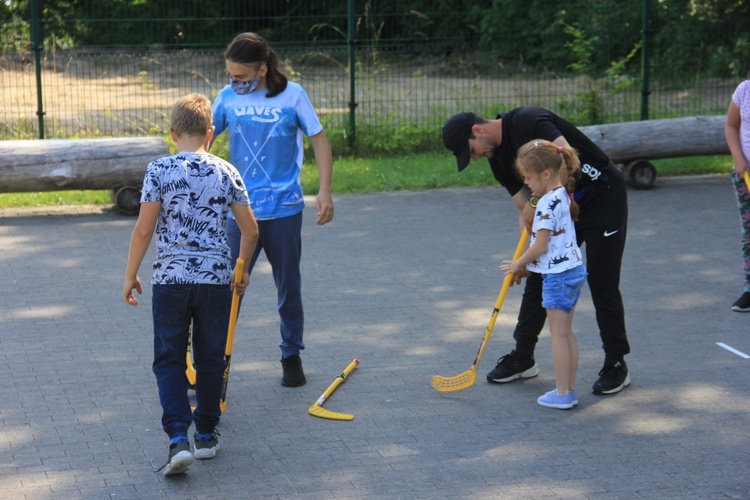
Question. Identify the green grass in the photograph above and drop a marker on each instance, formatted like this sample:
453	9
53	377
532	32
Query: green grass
368	175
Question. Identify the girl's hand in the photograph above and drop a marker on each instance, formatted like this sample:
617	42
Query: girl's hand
510	267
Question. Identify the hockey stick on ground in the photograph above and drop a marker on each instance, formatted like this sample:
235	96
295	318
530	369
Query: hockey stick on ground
466	379
239	268
317	409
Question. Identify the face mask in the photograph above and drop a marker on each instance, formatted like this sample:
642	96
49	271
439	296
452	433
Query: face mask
242	88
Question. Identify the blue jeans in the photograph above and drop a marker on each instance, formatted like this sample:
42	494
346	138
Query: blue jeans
562	290
174	307
281	240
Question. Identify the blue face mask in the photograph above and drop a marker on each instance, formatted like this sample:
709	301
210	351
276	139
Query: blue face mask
242	88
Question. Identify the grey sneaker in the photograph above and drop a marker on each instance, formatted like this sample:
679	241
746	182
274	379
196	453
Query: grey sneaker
206	445
511	367
180	459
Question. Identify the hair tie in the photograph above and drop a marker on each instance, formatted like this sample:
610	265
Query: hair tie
559	149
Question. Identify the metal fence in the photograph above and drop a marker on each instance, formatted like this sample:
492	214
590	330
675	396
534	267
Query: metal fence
126	90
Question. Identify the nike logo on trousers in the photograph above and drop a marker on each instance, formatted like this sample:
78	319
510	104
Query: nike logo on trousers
610	233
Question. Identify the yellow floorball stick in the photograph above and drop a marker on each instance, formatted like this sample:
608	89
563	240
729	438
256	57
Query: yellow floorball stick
747	180
239	268
317	409
466	379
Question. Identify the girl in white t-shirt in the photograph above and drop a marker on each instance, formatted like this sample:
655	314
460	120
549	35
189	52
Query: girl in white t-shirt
547	169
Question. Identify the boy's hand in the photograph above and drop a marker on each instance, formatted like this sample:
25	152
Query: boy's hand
239	288
324	208
127	290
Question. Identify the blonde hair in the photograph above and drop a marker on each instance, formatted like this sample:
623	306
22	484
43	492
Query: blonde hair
191	115
539	155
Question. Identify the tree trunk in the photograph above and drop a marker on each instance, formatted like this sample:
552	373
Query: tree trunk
654	139
55	165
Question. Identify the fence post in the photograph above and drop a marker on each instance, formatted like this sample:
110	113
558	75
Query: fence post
38	47
352	65
645	33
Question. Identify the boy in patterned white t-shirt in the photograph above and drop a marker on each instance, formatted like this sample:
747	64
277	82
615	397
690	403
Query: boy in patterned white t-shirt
185	201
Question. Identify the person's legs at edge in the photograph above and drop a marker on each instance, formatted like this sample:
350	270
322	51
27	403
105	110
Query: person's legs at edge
743	203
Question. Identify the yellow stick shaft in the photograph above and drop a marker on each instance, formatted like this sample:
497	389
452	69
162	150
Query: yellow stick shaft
747	180
337	382
239	268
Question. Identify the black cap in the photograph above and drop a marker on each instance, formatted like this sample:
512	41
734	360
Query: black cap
456	133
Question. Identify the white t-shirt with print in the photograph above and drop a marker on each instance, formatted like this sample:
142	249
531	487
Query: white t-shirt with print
553	213
196	191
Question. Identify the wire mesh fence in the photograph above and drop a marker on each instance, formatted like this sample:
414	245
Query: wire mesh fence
124	85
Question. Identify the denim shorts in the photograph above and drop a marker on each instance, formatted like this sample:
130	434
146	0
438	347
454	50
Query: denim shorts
562	290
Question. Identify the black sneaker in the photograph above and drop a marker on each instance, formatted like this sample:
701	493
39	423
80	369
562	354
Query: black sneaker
743	303
293	374
180	458
613	378
206	445
511	367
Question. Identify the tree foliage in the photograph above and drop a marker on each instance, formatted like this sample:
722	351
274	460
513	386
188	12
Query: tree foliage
687	36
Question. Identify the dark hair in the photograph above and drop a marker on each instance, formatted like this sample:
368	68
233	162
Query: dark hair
540	155
191	115
249	48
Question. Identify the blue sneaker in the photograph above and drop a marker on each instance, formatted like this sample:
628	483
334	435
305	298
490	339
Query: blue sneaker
574	395
553	400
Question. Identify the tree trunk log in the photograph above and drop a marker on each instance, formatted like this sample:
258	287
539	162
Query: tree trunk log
58	164
654	139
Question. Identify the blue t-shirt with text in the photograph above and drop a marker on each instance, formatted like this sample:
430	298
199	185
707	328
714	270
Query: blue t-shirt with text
266	144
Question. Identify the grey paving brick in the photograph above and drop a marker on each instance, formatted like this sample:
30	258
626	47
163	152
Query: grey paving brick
406	283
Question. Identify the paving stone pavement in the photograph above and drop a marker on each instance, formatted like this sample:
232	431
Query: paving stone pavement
406	283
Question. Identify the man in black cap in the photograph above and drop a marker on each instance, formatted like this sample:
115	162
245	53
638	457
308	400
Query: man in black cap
601	195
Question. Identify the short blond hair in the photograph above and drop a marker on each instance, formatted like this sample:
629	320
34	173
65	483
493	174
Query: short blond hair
191	115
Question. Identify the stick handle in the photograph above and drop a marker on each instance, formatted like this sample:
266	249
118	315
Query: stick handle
337	382
500	299
239	268
747	180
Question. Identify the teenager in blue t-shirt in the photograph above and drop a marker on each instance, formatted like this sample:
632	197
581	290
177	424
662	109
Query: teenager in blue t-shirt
266	117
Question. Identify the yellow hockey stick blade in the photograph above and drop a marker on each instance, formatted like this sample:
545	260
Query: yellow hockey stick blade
318	411
455	383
